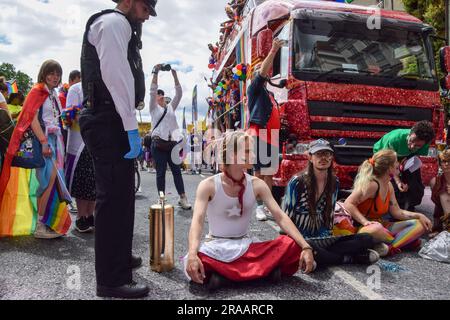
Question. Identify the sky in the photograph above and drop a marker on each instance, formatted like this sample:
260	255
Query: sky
32	31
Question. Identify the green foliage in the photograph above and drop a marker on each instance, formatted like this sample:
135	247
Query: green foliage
24	82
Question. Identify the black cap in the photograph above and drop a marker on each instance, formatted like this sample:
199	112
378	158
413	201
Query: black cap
151	5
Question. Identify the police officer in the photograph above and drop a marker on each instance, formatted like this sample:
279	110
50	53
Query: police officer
113	87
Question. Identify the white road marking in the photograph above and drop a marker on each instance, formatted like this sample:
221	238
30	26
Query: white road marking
344	276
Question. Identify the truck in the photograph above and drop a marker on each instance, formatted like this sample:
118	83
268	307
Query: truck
349	74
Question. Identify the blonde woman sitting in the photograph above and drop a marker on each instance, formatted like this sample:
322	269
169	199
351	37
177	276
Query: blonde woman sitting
373	197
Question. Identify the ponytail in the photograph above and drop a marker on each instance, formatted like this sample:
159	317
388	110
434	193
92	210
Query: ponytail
365	176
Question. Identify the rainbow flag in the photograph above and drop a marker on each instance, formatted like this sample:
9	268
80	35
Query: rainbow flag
12	87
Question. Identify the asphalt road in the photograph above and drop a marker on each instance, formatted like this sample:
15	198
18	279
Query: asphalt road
64	268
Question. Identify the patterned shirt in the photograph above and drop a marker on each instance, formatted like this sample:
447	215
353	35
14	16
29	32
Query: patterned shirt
296	205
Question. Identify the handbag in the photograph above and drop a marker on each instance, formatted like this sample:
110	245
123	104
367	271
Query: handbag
159	143
343	221
29	155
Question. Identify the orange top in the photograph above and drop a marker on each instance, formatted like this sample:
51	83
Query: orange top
372	212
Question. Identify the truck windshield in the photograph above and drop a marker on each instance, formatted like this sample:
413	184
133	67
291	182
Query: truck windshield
348	51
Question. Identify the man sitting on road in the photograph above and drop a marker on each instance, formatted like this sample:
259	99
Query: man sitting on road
229	199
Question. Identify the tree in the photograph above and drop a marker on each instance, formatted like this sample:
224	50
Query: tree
24	82
431	12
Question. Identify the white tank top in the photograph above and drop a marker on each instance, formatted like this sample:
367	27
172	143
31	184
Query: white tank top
224	212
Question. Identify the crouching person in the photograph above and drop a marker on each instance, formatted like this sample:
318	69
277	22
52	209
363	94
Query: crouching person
228	199
309	202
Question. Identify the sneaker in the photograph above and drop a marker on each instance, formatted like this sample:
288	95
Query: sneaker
44	232
268	214
382	249
91	221
183	202
260	214
368	257
73	208
148	170
83	225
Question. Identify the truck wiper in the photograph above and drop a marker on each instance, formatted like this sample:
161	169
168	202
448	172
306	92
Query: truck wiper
395	80
341	69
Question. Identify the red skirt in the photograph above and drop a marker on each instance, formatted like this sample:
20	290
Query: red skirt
259	260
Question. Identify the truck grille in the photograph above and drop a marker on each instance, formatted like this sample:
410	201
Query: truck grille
335	120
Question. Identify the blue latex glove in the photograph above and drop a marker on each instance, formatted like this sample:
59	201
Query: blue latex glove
135	144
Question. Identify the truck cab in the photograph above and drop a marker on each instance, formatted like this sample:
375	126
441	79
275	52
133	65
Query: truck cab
351	75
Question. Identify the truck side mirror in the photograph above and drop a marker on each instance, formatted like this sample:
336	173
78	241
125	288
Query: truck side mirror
264	43
444	55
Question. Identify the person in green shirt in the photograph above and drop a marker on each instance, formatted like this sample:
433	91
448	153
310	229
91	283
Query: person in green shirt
408	143
15	103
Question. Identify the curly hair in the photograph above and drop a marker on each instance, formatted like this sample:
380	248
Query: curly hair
423	130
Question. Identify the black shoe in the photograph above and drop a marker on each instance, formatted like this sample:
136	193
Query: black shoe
275	275
83	225
136	262
368	257
91	221
132	290
216	281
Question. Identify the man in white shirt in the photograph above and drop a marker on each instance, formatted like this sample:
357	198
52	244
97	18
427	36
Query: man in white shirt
113	87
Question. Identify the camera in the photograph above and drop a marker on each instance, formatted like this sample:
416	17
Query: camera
166	67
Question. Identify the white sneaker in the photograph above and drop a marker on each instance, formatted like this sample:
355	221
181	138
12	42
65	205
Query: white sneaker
183	202
260	213
73	207
382	249
269	215
148	170
44	232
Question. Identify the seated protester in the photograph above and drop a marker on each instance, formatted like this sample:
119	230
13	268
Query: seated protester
309	202
440	194
407	143
229	200
373	197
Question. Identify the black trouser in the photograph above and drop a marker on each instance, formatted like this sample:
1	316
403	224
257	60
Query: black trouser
346	246
413	197
161	159
107	142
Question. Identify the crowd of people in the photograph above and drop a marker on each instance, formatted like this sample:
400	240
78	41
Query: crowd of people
79	145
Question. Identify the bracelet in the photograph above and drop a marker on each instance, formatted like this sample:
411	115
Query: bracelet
307	248
43	141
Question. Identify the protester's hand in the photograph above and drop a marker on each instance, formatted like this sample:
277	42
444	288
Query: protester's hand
403	187
46	150
306	261
276	45
368	223
195	269
135	144
426	223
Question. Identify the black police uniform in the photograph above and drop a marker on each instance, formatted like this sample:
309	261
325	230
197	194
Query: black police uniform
107	141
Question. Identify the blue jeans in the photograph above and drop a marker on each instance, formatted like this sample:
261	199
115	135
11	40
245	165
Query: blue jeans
161	159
